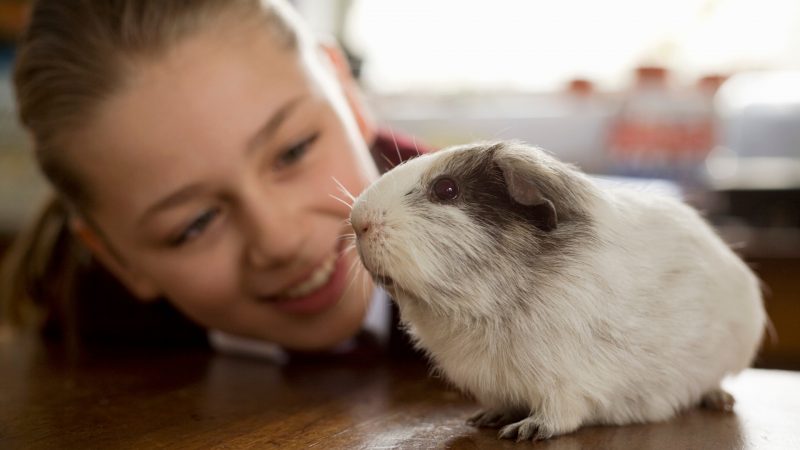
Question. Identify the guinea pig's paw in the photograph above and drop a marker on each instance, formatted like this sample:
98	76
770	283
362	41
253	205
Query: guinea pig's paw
495	418
540	426
526	429
718	400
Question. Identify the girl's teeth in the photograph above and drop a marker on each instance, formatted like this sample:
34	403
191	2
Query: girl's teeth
315	281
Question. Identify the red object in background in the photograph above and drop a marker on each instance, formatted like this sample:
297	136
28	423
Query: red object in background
711	83
13	19
641	130
580	87
649	76
659	129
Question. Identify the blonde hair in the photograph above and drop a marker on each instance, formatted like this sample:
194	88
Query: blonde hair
73	56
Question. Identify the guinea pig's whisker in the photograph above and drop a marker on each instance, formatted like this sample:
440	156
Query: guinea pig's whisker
350	248
396	147
344	190
341	201
350	243
361	273
356	262
352	276
416	149
388	161
347	236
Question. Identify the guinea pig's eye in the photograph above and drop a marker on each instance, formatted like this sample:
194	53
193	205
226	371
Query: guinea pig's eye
445	189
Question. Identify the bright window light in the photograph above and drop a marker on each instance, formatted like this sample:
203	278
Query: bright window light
536	45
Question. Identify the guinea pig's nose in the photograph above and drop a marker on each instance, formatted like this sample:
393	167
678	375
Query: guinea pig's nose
361	227
363	221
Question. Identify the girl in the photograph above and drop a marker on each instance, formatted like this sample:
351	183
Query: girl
194	148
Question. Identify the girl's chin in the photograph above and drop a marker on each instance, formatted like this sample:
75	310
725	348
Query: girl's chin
337	325
326	336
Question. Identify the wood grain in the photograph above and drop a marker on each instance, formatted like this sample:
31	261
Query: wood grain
198	399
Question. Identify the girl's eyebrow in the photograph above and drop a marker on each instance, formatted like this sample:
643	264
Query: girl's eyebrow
187	192
272	124
171	200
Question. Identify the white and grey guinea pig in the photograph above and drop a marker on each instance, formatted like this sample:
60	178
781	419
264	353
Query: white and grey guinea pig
554	302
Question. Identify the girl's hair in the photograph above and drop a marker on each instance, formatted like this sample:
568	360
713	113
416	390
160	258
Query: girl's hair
74	55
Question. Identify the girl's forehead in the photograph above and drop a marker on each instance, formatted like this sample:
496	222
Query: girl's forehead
214	72
202	100
206	49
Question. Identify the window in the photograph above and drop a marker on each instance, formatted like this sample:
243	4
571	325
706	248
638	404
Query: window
537	45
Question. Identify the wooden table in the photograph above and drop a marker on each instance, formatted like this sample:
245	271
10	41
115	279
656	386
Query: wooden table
198	399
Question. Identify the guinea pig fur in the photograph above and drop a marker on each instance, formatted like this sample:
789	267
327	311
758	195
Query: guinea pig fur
556	303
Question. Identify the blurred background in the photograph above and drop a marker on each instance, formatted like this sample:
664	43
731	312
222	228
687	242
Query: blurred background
697	97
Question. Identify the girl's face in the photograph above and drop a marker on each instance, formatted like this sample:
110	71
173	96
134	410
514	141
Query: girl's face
213	172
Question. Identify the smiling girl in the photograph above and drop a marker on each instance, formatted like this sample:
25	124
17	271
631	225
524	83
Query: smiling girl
194	148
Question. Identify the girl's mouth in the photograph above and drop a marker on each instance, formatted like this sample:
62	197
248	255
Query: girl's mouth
317	279
320	291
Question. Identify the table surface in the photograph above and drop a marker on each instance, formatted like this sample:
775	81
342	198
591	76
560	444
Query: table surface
198	399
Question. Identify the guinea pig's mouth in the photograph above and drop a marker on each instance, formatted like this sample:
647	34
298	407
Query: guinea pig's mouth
383	280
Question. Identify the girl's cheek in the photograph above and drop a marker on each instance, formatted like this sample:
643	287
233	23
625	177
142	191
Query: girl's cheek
206	282
352	176
206	298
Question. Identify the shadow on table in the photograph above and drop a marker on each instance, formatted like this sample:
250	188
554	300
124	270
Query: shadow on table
693	429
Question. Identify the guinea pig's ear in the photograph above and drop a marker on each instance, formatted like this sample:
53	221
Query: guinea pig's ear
519	175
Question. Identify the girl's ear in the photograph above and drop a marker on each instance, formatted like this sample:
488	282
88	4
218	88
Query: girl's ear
137	284
352	92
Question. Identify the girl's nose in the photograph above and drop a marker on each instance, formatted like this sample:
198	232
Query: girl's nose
274	236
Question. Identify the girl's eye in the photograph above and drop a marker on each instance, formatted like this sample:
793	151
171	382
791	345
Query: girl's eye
296	152
195	228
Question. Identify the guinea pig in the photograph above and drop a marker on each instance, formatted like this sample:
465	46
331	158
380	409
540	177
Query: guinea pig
554	302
